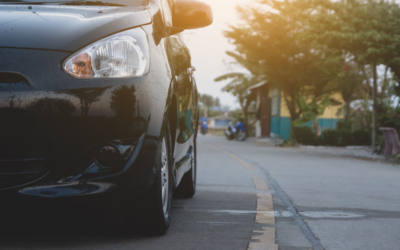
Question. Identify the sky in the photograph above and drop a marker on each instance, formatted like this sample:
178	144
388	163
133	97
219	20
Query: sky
208	46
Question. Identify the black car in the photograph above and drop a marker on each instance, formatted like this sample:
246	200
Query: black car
98	102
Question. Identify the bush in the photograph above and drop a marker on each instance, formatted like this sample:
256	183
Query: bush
319	141
330	137
391	122
342	124
345	137
305	136
361	137
380	144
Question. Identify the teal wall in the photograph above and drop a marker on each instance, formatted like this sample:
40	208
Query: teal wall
276	121
276	125
282	125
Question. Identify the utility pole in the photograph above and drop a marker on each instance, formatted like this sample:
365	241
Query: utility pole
205	110
374	94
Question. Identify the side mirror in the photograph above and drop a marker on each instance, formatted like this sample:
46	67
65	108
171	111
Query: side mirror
191	14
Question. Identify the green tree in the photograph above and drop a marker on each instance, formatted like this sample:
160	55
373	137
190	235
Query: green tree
273	46
217	102
238	87
349	81
207	101
366	29
312	110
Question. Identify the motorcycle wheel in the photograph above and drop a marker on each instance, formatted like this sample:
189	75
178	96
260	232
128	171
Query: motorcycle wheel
241	135
228	137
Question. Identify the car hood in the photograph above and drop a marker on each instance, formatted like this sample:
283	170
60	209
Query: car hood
64	28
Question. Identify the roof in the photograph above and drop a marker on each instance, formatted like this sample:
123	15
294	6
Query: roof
258	85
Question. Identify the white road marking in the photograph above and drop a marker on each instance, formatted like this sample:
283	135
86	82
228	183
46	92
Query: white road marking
287	214
336	215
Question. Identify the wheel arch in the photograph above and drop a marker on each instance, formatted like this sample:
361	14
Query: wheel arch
173	120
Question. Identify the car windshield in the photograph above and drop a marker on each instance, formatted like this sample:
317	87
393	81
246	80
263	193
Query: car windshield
80	2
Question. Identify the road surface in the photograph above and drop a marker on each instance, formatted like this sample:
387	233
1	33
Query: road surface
249	196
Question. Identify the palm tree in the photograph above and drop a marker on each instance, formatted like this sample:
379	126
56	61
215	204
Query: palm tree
238	87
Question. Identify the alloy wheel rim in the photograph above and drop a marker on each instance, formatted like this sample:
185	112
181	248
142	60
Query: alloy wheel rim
164	177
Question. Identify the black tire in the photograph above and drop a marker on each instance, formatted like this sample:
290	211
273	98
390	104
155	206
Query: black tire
241	136
148	214
229	137
187	187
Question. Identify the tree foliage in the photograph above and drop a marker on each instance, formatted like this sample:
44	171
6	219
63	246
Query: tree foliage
311	48
238	87
312	110
273	46
208	102
367	29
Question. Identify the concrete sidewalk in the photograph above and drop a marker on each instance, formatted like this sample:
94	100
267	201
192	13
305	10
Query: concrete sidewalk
361	152
350	151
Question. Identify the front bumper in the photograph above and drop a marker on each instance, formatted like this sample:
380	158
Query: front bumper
52	124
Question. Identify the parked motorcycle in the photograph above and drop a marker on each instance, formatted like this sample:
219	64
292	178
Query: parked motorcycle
239	131
204	128
204	125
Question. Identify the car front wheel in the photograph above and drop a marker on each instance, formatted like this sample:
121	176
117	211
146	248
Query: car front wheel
150	213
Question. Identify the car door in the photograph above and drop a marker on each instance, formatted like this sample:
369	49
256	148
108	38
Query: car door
184	89
183	82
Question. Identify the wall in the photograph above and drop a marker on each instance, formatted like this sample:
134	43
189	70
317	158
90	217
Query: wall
281	124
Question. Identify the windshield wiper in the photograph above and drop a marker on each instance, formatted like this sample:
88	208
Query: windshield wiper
87	3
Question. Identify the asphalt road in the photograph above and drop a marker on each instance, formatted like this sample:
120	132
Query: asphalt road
249	196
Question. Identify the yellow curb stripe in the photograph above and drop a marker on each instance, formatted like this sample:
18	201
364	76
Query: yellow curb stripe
264	202
265	209
260	183
244	164
265	215
264	241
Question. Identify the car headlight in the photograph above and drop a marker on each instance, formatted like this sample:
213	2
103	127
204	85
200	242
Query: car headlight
125	54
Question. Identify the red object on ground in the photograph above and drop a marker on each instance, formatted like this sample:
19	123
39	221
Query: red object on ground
392	144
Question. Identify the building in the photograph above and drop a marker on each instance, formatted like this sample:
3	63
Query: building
220	121
274	117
